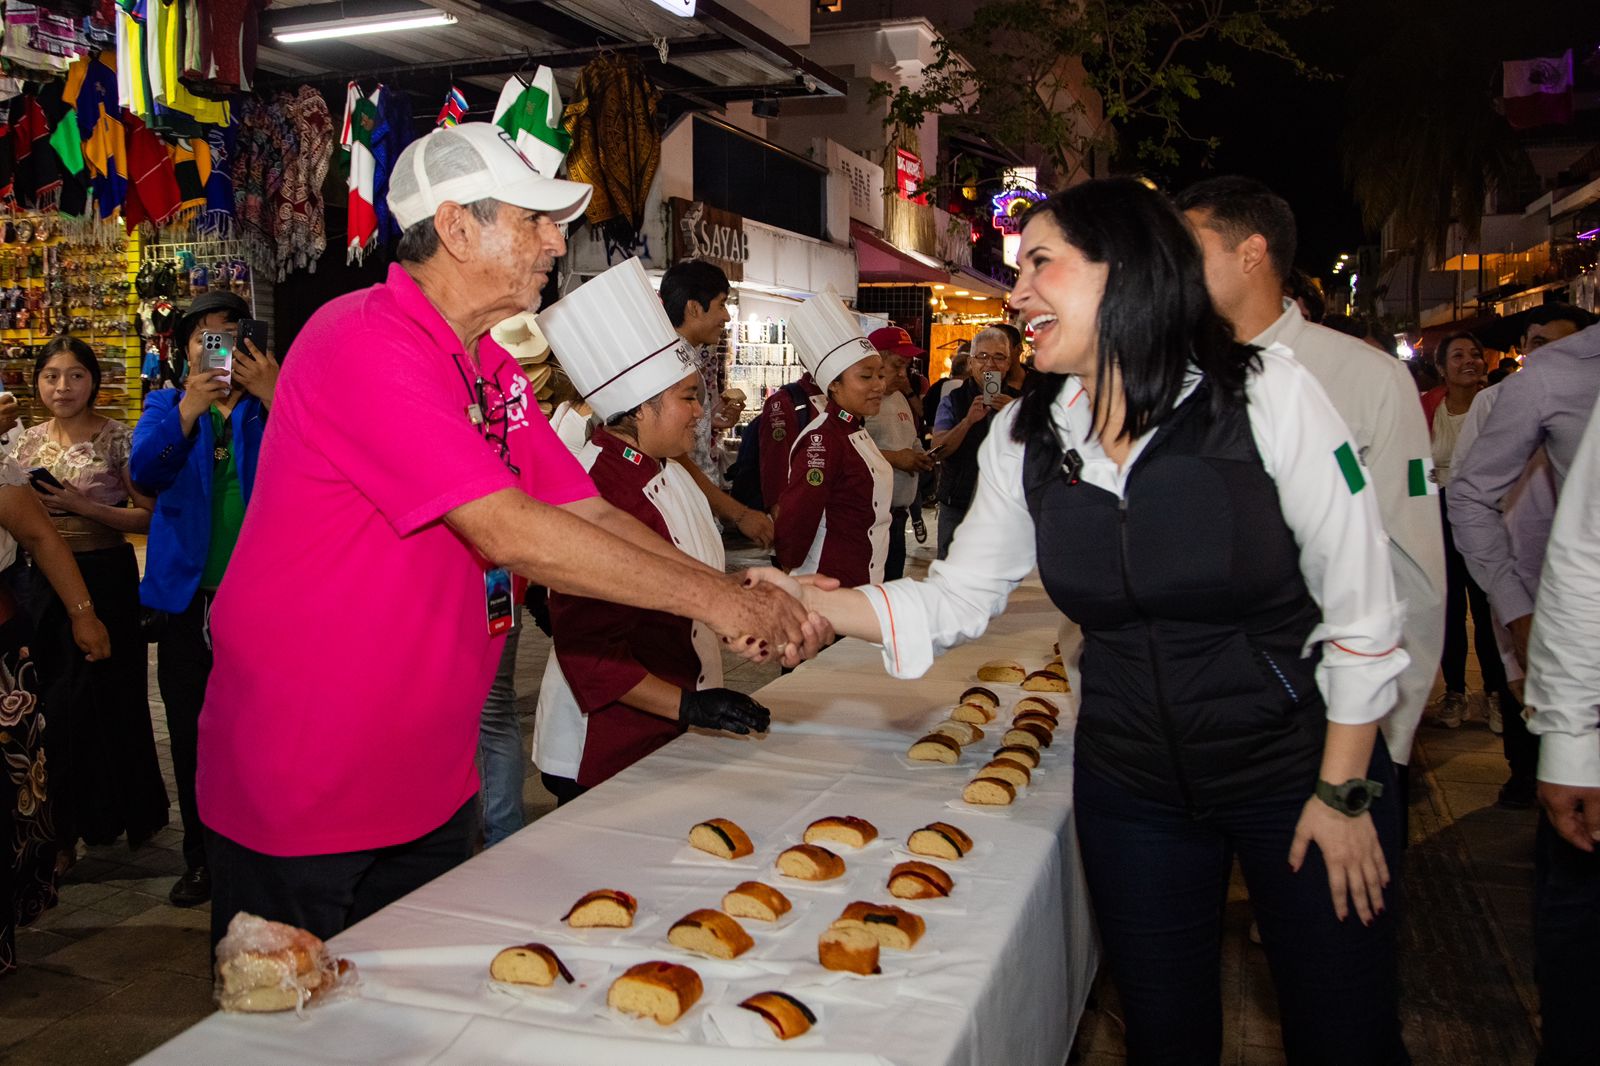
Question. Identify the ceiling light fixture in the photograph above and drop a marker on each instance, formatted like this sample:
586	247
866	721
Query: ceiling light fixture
323	31
683	8
961	292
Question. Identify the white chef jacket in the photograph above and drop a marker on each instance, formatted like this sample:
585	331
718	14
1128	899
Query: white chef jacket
1563	668
1344	554
1377	399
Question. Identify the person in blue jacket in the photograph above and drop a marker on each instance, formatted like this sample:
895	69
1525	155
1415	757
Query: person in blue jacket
196	449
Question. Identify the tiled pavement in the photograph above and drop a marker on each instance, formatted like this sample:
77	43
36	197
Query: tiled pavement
115	970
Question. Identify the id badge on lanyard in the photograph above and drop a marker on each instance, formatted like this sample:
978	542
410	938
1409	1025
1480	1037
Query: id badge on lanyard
500	600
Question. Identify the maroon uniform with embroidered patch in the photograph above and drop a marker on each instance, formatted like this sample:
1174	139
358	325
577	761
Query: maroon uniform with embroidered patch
779	427
833	515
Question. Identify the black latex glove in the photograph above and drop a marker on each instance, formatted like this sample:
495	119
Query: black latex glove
723	708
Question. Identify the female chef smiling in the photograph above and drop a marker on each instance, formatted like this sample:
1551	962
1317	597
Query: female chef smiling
623	682
1197	507
833	516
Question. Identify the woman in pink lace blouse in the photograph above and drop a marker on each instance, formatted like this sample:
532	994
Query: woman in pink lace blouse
106	780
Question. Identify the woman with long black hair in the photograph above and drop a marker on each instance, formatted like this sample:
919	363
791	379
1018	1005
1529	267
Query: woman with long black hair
1197	507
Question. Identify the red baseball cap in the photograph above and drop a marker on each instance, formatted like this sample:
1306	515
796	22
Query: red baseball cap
894	339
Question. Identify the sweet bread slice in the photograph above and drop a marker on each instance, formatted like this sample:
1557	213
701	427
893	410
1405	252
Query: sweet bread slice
941	840
973	713
919	880
1007	770
989	792
529	964
663	991
1037	703
1044	681
1028	735
962	733
710	933
983	696
808	862
853	950
602	908
1021	753
935	747
844	829
722	838
895	927
1007	670
788	1017
752	899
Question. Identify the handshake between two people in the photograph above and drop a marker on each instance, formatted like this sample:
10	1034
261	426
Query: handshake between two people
766	619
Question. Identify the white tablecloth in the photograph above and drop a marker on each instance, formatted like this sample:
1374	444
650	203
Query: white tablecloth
1000	976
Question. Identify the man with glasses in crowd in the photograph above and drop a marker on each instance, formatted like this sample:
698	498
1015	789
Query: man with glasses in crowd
406	474
962	422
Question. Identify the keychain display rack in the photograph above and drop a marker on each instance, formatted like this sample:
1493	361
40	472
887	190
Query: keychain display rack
206	263
69	276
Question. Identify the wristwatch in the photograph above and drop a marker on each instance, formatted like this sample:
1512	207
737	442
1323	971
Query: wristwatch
1351	798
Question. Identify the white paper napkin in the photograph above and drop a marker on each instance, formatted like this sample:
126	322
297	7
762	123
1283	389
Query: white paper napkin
680	1031
590	979
738	1027
692	856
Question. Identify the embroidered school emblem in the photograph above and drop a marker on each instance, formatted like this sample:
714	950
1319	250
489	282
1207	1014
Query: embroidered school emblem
813	477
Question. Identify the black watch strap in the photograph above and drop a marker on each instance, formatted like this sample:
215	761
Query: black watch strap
1352	798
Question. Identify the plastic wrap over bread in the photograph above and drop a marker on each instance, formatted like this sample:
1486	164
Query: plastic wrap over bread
269	966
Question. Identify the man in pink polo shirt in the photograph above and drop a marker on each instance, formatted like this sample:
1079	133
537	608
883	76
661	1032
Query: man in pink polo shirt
405	474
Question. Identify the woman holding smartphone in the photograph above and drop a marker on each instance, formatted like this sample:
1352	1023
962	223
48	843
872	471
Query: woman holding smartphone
102	751
196	448
962	423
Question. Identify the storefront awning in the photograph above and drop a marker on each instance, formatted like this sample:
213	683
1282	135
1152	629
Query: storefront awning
878	261
981	284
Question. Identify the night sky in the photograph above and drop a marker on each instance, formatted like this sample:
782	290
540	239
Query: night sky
1285	130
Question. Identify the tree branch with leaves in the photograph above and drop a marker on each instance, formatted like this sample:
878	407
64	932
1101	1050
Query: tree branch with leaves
1058	80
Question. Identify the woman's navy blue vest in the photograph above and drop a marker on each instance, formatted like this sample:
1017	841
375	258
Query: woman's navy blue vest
1193	610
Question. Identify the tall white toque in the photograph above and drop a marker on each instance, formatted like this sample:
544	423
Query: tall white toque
614	340
827	337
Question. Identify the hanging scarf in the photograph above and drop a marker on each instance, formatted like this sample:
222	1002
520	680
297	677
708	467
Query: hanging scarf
453	111
530	111
355	142
38	178
615	144
216	217
301	231
393	134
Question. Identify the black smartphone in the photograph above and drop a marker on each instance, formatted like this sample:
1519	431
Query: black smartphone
253	330
39	473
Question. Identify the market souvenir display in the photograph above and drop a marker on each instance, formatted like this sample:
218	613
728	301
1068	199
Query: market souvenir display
267	966
662	991
529	964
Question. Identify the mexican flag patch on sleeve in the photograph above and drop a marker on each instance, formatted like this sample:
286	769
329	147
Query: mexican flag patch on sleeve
1421	479
1350	467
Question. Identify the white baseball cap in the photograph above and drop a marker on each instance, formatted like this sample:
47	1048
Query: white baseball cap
476	161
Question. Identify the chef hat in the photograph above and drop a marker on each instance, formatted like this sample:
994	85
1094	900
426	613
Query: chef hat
615	342
827	337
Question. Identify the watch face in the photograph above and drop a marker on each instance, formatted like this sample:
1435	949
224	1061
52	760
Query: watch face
1357	797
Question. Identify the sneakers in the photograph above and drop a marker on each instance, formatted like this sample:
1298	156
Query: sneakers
919	527
1497	720
192	889
1450	710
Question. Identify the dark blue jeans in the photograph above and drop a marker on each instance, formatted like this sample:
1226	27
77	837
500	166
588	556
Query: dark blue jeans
1566	945
1158	879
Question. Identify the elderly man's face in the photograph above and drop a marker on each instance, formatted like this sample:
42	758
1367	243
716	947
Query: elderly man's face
517	252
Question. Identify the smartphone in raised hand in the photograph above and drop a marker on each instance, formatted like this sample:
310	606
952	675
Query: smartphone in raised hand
216	353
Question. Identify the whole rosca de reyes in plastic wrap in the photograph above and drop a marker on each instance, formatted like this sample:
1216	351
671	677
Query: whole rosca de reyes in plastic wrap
268	966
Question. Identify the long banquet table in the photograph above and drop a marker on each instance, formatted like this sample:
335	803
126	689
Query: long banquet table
1000	976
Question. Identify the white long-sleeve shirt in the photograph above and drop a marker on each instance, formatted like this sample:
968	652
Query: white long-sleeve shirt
1378	401
1563	670
1344	553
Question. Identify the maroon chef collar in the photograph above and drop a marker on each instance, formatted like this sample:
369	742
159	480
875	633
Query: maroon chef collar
850	421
